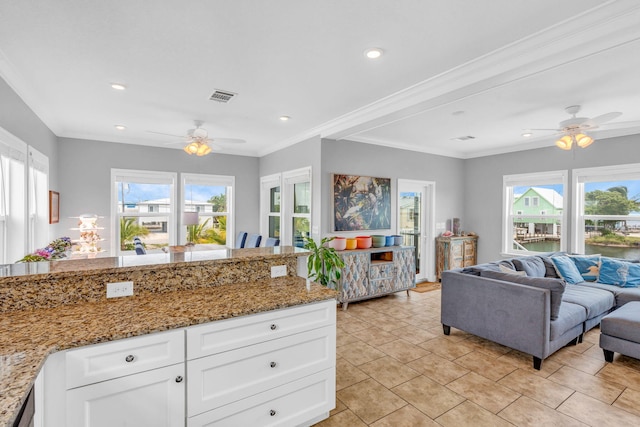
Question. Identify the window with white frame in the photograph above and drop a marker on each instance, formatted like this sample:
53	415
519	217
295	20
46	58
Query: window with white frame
14	236
135	195
607	211
297	206
211	196
526	227
270	201
285	205
38	180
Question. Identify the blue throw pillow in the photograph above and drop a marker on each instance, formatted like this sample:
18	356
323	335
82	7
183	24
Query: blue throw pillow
588	266
567	269
620	273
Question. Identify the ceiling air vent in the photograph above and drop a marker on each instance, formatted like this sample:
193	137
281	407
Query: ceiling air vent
222	96
463	138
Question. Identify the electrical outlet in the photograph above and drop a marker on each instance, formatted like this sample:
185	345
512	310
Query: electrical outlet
278	271
119	289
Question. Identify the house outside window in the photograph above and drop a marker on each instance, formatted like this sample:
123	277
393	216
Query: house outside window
607	211
526	227
212	196
143	204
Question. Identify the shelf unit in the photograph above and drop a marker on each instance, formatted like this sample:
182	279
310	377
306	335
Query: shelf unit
89	241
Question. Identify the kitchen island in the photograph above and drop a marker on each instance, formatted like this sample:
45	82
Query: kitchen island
51	307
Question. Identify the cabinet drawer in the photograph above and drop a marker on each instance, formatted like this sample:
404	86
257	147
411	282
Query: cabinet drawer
115	359
381	271
229	334
227	377
382	286
295	403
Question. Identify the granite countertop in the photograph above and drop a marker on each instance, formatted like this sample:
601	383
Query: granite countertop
29	336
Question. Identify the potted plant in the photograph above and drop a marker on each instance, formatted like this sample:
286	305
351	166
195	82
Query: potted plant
323	264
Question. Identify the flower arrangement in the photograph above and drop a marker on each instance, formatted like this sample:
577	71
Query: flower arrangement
54	250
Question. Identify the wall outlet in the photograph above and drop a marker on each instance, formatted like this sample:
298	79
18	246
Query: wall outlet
119	289
278	271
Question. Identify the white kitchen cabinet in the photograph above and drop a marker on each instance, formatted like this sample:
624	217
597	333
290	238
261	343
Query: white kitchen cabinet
280	369
149	399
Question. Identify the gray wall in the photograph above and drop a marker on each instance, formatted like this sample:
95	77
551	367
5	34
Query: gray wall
300	155
354	158
85	175
17	118
483	182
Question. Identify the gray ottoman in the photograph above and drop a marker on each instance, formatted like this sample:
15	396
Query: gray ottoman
620	331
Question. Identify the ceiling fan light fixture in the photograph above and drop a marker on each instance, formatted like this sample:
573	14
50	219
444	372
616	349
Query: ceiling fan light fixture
565	142
583	140
191	148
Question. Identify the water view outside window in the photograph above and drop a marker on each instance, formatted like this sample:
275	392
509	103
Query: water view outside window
536	217
612	218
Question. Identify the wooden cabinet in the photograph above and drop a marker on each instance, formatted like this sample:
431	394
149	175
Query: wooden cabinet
455	252
368	273
275	369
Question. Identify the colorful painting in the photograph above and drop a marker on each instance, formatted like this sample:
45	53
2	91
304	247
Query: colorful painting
361	203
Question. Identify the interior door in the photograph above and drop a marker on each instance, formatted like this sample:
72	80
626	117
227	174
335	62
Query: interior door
416	224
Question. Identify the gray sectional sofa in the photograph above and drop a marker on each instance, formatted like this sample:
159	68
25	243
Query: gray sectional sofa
529	304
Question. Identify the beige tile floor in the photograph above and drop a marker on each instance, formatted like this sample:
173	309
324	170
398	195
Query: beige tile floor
396	368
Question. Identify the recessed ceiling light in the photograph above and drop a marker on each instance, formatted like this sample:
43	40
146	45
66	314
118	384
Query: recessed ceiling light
118	86
120	127
373	53
284	118
527	134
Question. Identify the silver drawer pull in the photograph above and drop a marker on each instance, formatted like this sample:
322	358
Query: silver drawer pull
274	326
272	413
129	358
179	379
273	364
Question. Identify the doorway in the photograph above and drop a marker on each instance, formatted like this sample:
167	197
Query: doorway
416	223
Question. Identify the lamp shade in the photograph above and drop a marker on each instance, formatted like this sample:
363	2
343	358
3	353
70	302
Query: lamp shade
583	140
565	142
190	218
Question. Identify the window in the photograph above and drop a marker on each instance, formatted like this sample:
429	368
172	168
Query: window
212	197
285	205
607	211
13	203
270	199
526	227
38	180
142	205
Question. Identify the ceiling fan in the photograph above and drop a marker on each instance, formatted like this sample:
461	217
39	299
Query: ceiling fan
197	140
573	129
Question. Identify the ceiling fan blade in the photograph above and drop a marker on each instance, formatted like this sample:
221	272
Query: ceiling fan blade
166	134
601	119
554	130
229	140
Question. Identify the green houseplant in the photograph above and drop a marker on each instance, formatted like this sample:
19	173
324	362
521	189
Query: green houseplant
323	264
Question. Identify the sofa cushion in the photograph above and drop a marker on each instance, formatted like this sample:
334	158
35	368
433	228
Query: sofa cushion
566	269
556	286
623	323
493	266
588	266
595	301
620	273
569	316
507	270
550	269
532	265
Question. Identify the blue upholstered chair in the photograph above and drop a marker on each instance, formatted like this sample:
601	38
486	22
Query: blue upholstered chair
272	241
140	250
241	238
253	241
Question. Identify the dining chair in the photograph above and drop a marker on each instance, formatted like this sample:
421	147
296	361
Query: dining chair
140	250
272	241
253	241
241	238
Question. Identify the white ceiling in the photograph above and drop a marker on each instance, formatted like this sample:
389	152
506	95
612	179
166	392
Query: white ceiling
501	65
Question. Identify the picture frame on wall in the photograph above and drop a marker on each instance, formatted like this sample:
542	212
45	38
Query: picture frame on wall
54	207
361	203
